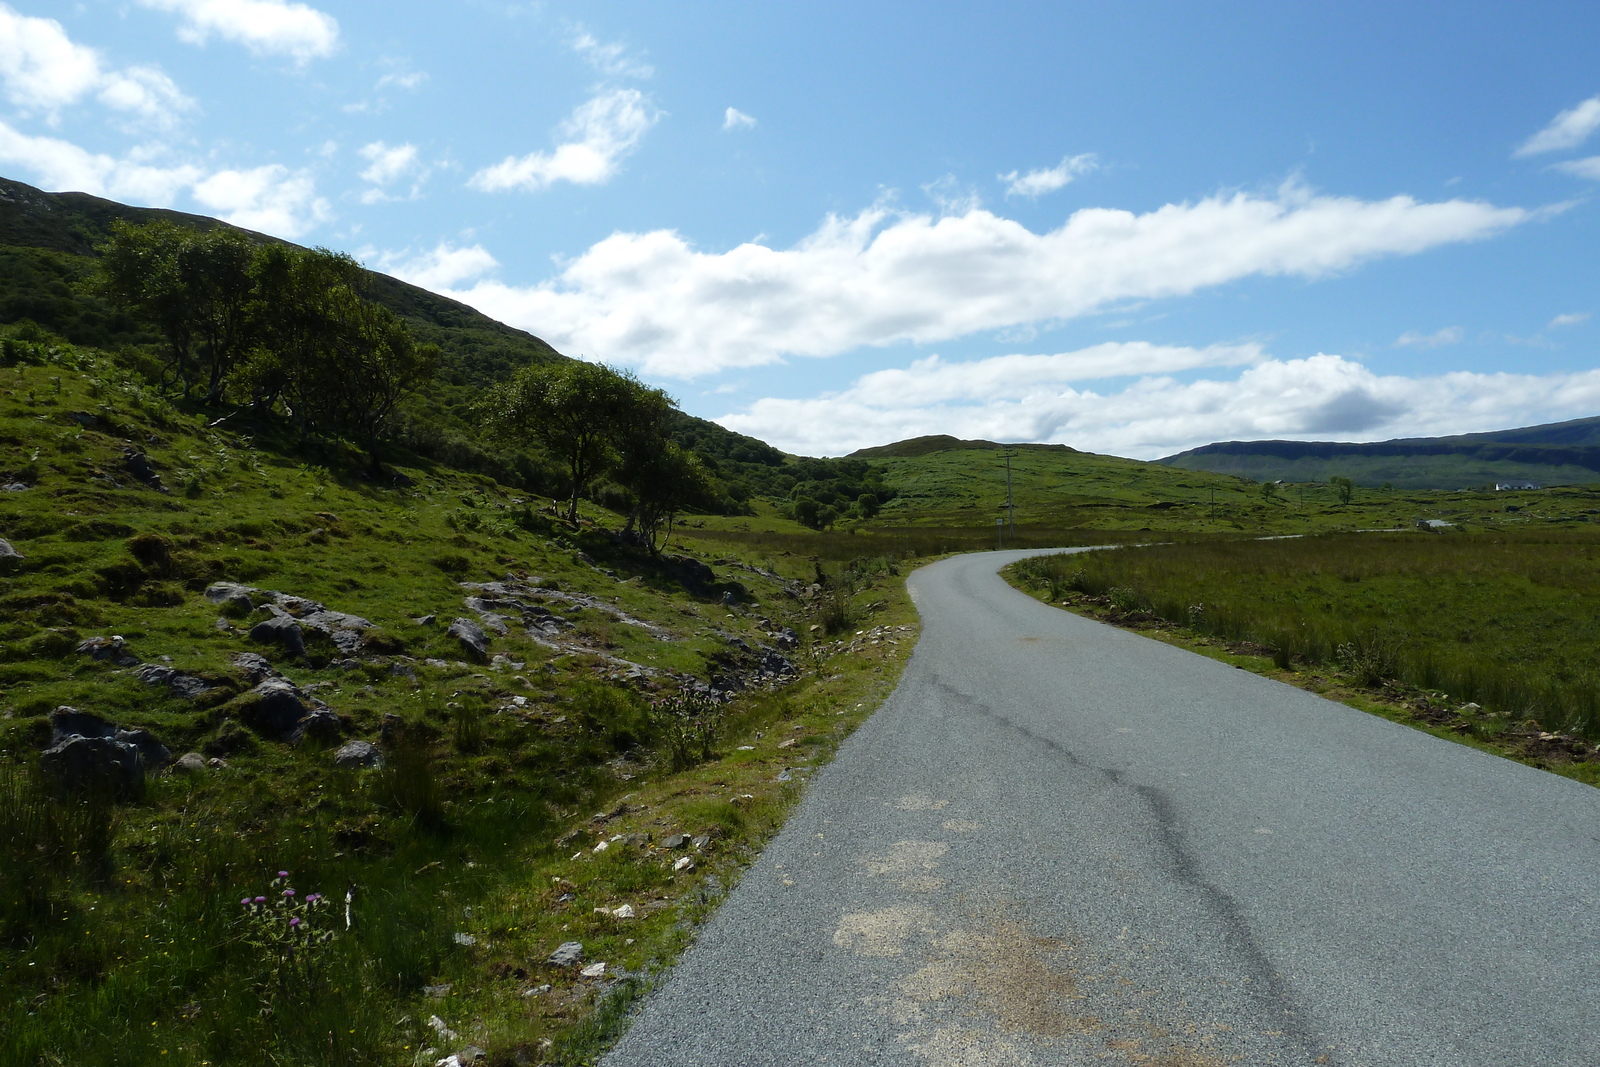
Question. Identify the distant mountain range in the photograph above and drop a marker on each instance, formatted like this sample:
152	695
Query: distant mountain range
1557	453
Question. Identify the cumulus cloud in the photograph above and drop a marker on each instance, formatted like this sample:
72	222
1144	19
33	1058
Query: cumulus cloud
599	134
734	119
65	167
1321	397
1576	318
265	27
271	199
1038	182
43	70
1567	130
401	79
1438	339
387	164
444	266
653	301
1588	167
610	58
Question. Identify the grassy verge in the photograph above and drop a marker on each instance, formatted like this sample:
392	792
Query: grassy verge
1483	639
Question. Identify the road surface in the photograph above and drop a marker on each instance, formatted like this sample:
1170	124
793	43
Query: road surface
1060	843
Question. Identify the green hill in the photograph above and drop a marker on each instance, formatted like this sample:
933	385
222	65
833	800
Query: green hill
1561	453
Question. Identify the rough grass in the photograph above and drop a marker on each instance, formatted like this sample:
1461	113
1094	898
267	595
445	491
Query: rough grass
1509	621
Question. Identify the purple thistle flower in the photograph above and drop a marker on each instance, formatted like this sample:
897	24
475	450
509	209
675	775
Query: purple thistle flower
288	892
246	900
261	900
294	922
283	874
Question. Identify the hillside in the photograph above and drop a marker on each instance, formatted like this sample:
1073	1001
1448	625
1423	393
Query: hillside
47	262
1562	453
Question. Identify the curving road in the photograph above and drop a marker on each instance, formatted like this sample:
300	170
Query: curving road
1061	843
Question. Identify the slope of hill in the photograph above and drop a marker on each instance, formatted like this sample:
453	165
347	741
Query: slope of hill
1561	453
48	247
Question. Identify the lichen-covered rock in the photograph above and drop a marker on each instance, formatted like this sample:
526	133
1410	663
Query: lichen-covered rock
473	640
356	754
274	708
189	763
113	649
186	686
282	631
10	558
89	754
320	724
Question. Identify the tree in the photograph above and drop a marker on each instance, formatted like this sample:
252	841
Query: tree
661	483
584	414
867	505
195	286
1345	486
339	362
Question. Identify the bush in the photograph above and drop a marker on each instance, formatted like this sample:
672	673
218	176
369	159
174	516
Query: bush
689	723
617	718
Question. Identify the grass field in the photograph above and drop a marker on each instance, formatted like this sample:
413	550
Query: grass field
1062	493
1509	620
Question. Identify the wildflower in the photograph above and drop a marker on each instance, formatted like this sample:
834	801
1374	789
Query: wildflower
288	892
283	874
261	900
295	921
246	900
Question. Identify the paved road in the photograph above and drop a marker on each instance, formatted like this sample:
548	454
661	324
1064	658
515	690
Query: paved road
1061	843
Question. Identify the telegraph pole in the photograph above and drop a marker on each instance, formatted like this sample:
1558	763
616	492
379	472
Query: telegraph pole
1011	510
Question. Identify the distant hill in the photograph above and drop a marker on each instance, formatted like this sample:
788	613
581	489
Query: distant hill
940	442
1558	453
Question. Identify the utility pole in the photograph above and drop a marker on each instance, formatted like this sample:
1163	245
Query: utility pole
999	533
1011	510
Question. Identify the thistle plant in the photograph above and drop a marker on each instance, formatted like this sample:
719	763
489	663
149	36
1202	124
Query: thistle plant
689	722
289	934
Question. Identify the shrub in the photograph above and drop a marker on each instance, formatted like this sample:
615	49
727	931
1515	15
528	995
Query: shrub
689	723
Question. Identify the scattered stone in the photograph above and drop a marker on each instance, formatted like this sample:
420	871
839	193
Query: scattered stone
594	970
280	630
356	754
568	953
390	727
403	670
470	1055
784	776
537	991
701	842
601	847
217	763
277	709
15	487
465	940
437	992
189	763
255	666
746	748
675	841
9	556
444	1032
625	911
786	743
683	863
138	464
186	686
89	753
114	649
472	638
321	725
424	620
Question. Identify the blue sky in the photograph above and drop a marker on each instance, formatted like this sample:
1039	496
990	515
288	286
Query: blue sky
1132	228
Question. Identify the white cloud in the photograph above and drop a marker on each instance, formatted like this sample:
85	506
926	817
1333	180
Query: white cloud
387	164
44	70
61	166
1576	318
600	132
1450	335
441	268
1588	167
410	79
734	119
612	59
651	300
1567	130
1039	182
1321	397
271	199
265	27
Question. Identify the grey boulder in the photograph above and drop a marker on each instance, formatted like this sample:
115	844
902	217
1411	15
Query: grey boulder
282	631
357	754
277	708
184	685
112	649
567	954
9	556
473	640
89	754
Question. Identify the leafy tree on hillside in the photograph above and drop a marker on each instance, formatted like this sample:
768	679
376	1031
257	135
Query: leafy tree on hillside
584	414
1345	486
194	286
